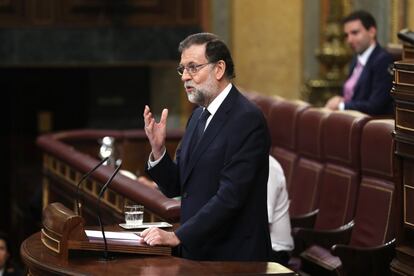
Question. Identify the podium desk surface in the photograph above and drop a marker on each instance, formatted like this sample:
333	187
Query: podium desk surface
41	261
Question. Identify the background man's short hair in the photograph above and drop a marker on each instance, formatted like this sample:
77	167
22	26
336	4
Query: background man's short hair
365	17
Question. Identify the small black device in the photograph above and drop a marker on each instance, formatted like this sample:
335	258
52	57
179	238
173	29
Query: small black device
406	35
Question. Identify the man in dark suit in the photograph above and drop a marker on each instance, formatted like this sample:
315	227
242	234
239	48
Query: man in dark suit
368	86
221	176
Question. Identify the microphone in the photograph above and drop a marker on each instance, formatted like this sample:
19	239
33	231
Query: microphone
86	175
105	257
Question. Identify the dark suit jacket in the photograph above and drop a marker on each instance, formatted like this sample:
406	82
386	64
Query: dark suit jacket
372	91
222	184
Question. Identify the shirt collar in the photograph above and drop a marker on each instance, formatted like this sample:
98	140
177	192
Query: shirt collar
215	104
363	58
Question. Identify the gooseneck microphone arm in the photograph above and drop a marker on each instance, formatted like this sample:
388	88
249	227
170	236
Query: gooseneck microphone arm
106	257
86	175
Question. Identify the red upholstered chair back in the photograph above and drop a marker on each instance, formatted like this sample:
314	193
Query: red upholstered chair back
283	123
374	212
341	177
307	172
264	102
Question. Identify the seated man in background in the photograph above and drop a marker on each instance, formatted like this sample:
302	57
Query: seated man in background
278	212
368	86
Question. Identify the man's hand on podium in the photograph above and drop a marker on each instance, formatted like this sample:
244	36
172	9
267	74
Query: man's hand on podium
156	236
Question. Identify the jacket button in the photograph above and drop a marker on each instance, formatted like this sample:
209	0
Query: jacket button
185	195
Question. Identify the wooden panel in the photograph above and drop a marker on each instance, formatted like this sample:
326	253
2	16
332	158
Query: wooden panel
42	12
405	150
401	91
404	77
403	94
404	118
41	261
409	205
404	65
130	13
409	173
98	13
12	12
408	182
408	52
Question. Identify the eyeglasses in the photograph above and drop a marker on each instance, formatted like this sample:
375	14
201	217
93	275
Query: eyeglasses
191	68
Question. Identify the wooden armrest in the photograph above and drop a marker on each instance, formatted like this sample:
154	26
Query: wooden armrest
304	221
325	238
365	261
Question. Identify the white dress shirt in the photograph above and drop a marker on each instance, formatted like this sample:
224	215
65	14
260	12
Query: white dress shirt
278	208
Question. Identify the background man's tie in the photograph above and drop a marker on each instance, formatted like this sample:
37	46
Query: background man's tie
351	82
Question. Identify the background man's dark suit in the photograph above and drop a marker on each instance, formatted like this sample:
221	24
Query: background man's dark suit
372	91
222	184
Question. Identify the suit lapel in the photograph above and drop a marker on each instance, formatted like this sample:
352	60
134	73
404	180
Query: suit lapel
185	144
209	135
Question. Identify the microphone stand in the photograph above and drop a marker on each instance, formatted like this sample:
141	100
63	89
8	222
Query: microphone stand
86	175
106	256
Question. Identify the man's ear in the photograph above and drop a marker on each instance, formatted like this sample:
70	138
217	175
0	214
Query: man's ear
220	69
372	32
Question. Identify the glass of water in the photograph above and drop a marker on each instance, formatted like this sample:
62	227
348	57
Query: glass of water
134	214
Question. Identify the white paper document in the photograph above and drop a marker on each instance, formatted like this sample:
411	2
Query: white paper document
145	225
113	235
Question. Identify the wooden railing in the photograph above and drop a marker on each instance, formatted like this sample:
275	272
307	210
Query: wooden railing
68	155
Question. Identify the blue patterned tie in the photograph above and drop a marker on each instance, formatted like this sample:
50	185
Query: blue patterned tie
199	130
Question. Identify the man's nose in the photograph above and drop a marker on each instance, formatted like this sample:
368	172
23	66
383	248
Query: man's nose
185	76
349	39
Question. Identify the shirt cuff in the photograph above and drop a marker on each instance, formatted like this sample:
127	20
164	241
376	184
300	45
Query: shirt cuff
152	164
341	106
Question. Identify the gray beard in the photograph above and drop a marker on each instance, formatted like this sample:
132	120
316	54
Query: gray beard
197	97
204	95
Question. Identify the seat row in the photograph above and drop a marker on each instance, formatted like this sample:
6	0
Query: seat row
341	174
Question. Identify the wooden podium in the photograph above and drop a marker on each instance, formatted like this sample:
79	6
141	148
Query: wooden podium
63	231
41	261
62	248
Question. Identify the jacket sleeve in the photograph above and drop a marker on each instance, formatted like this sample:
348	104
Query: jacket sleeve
166	172
380	84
